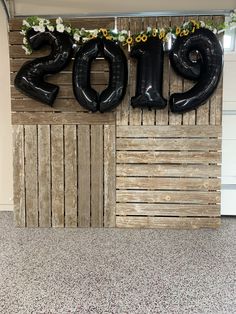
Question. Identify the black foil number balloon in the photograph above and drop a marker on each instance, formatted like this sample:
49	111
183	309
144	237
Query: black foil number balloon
205	68
118	75
149	74
30	78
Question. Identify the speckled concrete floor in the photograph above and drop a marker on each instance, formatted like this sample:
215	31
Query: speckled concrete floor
117	271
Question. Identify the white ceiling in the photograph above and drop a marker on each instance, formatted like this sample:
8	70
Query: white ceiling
99	7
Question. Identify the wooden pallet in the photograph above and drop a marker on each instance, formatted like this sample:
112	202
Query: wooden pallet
128	168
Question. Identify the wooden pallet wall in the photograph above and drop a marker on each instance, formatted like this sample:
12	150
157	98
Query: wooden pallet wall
127	168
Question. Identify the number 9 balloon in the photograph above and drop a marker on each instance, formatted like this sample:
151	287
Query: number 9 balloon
206	69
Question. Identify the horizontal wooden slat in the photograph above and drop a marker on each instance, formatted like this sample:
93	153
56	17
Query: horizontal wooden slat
190	197
136	183
142	209
63	118
168	170
153	157
29	104
88	23
66	78
166	131
66	91
99	65
167	222
167	144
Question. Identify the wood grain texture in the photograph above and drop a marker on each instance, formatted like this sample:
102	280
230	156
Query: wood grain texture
70	160
44	175
166	209
84	191
62	118
109	176
57	164
167	222
19	176
97	176
31	176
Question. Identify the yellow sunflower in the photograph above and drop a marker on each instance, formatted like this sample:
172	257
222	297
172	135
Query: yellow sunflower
181	34
162	34
193	29
109	37
129	40
138	38
178	30
104	31
186	32
154	32
144	37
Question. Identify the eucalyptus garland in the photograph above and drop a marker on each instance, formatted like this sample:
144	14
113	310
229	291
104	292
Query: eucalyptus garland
82	35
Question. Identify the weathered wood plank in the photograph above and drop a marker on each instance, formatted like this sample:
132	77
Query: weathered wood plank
31	105
88	23
97	176
44	175
70	139
167	222
122	111
148	115
134	170
135	114
31	176
57	164
84	155
167	131
189	197
109	176
62	118
167	144
19	176
152	157
148	209
183	184
176	81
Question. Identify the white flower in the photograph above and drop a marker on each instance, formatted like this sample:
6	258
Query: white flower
36	28
94	32
76	37
215	31
27	51
68	29
26	23
124	32
47	22
60	28
149	29
25	41
59	20
232	25
185	24
121	38
41	22
23	32
50	28
85	39
202	24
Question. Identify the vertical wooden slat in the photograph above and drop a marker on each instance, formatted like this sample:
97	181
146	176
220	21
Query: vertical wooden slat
96	175
176	81
57	162
162	115
122	111
109	176
31	176
189	118
84	176
203	112
44	175
149	115
135	114
19	175
216	101
70	140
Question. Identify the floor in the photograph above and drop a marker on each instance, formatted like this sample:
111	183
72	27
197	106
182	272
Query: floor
117	271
